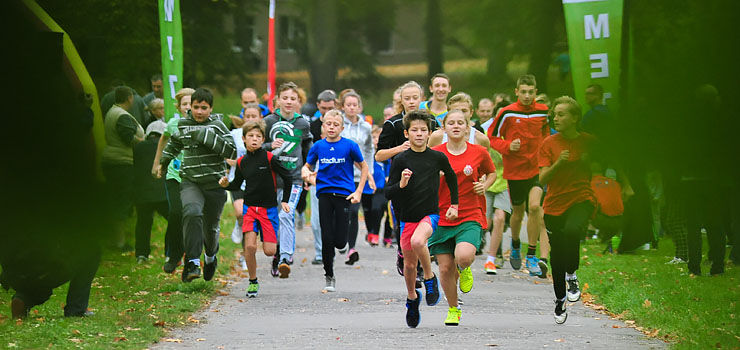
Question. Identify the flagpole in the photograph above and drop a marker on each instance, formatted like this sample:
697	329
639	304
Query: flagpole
271	56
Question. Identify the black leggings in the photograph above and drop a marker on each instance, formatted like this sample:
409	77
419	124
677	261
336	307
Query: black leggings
565	233
354	209
334	221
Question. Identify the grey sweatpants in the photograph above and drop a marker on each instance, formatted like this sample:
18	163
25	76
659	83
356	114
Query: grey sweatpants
201	211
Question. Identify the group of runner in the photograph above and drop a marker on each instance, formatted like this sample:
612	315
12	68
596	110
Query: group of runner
445	191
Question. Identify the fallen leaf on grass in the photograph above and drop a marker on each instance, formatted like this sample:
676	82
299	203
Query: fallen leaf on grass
193	320
629	322
646	303
117	339
159	323
215	310
75	340
75	331
11	345
143	292
200	339
585	287
172	340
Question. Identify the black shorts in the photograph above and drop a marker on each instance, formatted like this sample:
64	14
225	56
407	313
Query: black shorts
237	194
519	190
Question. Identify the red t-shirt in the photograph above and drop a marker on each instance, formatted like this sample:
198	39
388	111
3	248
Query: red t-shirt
571	183
526	123
608	194
469	167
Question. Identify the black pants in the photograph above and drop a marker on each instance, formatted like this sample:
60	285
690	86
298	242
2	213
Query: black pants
334	221
38	289
565	233
377	205
201	211
354	209
144	222
705	207
173	245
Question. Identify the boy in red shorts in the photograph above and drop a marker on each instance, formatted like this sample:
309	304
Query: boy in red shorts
260	205
414	183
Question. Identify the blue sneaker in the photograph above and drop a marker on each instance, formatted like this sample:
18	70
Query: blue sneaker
515	259
533	266
412	311
432	290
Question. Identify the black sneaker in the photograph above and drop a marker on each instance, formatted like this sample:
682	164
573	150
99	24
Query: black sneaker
274	270
574	291
412	311
432	290
352	257
399	263
190	272
561	314
210	269
171	265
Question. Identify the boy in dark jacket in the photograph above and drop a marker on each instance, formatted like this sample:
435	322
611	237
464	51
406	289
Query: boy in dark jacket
258	167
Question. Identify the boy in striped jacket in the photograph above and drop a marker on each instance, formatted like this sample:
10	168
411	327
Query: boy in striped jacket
205	142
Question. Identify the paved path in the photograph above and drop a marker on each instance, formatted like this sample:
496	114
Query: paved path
508	311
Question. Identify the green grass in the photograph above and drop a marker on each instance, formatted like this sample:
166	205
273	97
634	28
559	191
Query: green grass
690	312
134	304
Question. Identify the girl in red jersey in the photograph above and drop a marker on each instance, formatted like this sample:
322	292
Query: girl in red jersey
455	241
565	167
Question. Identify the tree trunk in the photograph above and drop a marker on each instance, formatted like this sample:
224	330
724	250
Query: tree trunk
434	38
544	32
322	45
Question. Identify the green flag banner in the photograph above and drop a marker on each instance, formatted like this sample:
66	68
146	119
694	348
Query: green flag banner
170	32
595	44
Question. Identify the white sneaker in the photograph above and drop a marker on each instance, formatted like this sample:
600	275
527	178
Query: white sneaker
236	233
243	263
330	284
675	261
561	313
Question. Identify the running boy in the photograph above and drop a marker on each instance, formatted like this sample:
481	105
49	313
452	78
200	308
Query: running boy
517	133
289	138
335	187
260	210
414	183
455	241
569	204
205	143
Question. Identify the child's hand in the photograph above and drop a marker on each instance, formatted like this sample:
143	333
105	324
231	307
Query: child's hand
515	145
155	170
231	162
223	182
564	155
451	213
306	174
355	197
478	188
285	206
277	143
405	176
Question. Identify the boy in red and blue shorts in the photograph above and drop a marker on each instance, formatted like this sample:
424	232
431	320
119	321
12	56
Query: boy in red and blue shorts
260	204
414	183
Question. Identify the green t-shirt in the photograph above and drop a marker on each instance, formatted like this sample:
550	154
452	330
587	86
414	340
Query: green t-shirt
500	184
173	170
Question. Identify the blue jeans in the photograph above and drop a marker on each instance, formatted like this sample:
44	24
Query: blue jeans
286	233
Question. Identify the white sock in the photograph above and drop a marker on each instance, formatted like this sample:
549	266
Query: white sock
195	261
209	259
491	259
570	276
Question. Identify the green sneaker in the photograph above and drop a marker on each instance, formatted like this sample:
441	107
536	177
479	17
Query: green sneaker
453	316
253	289
466	280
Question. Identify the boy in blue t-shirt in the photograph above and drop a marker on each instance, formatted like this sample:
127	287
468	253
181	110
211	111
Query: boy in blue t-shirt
335	187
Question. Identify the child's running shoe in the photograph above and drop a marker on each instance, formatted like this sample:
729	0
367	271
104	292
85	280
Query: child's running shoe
373	238
574	290
432	290
331	284
561	314
490	268
352	257
543	268
533	265
453	316
274	269
412	311
399	263
515	259
387	242
466	280
284	269
253	289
